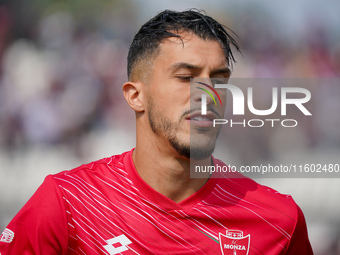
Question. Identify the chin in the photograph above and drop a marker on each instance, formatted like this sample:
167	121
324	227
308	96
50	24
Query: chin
199	152
202	142
193	150
194	146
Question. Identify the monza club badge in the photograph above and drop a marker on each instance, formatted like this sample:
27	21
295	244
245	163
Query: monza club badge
234	243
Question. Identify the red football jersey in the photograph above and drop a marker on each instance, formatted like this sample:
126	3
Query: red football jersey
106	208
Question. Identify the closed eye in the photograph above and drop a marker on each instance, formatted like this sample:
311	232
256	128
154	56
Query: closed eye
184	78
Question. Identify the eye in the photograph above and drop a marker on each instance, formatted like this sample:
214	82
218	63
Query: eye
184	78
222	80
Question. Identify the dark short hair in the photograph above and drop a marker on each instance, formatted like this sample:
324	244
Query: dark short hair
167	23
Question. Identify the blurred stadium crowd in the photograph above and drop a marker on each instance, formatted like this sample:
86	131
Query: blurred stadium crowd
62	65
60	76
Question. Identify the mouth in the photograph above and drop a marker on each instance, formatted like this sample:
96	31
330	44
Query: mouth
200	120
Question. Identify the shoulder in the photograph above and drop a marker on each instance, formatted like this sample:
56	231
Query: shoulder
247	191
103	167
264	196
103	178
250	188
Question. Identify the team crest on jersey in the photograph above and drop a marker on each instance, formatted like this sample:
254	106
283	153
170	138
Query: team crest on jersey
7	236
234	243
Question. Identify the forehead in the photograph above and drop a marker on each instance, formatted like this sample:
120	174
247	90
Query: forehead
190	49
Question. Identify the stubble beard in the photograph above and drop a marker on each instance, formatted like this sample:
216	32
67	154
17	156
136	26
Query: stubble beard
163	126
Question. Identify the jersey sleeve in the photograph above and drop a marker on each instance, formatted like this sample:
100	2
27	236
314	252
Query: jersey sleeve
299	243
40	227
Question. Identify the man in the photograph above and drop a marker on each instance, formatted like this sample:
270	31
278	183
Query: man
144	201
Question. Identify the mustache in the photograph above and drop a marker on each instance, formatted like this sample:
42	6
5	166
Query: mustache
209	109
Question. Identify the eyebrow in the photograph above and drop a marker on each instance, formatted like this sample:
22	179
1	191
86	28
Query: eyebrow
225	70
184	65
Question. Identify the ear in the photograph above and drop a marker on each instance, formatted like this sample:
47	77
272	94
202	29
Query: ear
133	95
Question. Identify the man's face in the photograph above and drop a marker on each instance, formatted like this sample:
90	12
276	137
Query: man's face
174	110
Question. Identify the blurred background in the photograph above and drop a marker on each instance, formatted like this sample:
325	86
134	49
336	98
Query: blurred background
62	65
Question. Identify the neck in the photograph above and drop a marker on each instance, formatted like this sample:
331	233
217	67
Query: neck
167	172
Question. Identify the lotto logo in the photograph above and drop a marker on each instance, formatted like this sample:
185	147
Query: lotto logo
117	244
7	236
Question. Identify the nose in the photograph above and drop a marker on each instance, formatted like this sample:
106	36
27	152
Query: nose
202	95
203	91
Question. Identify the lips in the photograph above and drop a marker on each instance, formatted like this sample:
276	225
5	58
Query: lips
198	119
210	116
